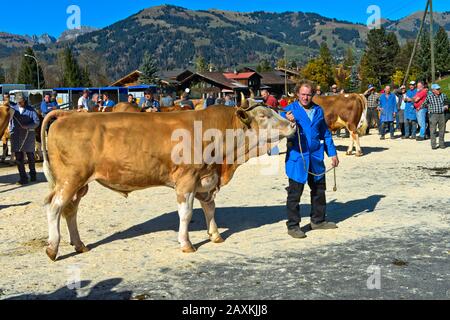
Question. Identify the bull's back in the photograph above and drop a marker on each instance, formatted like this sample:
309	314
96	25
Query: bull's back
340	110
131	150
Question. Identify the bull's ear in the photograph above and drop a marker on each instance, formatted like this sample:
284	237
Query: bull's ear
244	117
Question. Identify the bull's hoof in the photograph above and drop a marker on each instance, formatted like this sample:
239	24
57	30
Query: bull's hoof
51	253
359	154
188	249
216	238
349	153
82	249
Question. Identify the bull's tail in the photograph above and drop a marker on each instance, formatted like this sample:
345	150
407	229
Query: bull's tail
362	125
47	170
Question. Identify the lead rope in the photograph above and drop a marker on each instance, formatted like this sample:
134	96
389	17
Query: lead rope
304	163
26	136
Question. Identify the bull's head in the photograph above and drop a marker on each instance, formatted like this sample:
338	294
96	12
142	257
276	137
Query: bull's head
257	116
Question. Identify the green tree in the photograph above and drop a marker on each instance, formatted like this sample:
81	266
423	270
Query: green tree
442	53
72	73
149	70
200	64
366	73
28	72
379	57
86	78
354	82
424	56
264	66
2	75
319	72
281	63
349	59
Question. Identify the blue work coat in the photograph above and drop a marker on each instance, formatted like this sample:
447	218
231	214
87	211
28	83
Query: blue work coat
315	139
19	125
410	111
388	106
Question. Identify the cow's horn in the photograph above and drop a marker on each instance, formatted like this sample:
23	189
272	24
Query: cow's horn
244	102
252	94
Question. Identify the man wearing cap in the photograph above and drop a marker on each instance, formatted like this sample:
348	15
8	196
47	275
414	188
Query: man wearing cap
401	94
83	103
373	99
421	111
437	104
21	127
148	103
410	112
334	91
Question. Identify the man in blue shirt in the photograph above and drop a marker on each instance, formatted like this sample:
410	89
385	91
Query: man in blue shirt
410	112
388	110
47	105
148	103
304	160
22	126
106	102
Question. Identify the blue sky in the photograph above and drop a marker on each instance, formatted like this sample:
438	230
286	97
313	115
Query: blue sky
50	16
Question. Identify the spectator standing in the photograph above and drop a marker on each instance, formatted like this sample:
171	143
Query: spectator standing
421	111
166	100
436	103
410	112
83	101
373	101
228	101
388	109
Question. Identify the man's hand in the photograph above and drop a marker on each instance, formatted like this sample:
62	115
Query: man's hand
334	161
290	116
394	114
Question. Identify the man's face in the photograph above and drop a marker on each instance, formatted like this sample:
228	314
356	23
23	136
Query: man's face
265	95
436	91
5	97
412	87
130	98
304	96
419	86
387	89
47	99
86	94
22	103
148	96
105	97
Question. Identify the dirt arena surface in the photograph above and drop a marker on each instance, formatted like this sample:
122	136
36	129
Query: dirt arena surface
392	208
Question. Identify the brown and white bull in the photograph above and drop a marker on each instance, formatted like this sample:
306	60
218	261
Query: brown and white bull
132	151
346	110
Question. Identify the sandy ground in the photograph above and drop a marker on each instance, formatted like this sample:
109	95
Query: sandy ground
392	207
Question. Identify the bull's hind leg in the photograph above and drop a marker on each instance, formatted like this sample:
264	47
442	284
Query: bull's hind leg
350	147
209	209
70	213
355	137
185	205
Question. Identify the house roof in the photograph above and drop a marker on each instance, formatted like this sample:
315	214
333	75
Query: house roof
133	76
239	75
274	78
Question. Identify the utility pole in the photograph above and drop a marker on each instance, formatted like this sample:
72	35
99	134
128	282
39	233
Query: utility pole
416	42
285	73
433	69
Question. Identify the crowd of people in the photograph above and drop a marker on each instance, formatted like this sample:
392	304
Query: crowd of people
420	108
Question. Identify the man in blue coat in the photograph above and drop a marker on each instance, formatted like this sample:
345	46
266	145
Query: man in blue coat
388	110
304	160
21	127
410	112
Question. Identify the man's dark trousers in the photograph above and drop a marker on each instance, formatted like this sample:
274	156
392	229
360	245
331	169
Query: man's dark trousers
318	201
21	165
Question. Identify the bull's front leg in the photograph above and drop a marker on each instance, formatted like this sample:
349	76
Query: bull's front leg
209	208
185	207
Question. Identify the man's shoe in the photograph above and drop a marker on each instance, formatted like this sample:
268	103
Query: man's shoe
33	177
419	138
403	137
382	138
323	225
442	147
22	182
433	147
296	233
412	137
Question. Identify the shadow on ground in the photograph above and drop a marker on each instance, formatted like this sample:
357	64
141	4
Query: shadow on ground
102	290
365	150
239	219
